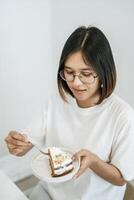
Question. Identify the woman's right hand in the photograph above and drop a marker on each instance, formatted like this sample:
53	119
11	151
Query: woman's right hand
17	143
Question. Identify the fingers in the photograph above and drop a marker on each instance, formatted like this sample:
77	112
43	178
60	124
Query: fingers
18	136
80	154
15	150
83	157
19	150
83	167
16	139
87	159
17	143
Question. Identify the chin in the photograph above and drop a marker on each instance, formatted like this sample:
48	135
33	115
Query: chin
81	98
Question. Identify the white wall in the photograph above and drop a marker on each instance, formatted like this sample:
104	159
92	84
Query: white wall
32	34
25	62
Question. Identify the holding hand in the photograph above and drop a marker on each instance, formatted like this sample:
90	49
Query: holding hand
86	158
17	143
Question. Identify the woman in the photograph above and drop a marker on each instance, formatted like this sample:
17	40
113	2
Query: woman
88	118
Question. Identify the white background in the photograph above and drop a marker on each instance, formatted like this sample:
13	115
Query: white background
32	34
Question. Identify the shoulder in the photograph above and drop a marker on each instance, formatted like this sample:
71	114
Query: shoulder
121	106
121	111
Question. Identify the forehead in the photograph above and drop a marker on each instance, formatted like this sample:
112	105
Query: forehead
76	62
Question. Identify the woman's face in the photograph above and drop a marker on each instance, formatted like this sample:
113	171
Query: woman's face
86	94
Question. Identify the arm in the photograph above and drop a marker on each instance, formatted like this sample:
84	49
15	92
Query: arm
105	170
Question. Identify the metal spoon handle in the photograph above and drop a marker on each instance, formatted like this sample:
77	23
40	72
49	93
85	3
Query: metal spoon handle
41	151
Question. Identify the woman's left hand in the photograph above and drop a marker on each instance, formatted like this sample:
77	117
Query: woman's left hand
87	158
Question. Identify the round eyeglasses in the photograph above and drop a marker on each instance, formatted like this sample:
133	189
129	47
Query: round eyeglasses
85	77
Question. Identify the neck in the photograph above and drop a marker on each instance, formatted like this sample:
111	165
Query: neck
89	102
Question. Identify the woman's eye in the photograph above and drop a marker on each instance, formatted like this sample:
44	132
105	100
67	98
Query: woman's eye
86	74
68	72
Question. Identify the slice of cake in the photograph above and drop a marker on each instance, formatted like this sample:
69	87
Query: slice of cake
60	162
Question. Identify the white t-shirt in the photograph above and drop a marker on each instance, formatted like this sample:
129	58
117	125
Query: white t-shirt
106	129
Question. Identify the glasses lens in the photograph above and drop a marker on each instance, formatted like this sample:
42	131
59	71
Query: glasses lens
87	79
67	76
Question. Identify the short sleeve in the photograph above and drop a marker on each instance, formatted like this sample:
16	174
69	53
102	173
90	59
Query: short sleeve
122	155
36	130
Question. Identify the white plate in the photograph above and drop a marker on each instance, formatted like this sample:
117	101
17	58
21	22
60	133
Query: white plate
41	168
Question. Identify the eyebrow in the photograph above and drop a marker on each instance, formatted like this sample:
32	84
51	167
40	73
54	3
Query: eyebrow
83	69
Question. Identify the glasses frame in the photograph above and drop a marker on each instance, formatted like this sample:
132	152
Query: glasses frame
61	73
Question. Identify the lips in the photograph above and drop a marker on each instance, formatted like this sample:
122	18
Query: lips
78	91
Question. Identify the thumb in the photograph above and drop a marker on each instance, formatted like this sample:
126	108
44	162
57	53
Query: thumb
79	154
25	136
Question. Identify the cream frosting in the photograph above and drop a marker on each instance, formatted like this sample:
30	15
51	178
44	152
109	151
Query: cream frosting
62	160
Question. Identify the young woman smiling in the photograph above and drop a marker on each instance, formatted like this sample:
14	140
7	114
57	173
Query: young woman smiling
88	118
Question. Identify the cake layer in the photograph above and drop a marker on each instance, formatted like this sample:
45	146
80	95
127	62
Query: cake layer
60	161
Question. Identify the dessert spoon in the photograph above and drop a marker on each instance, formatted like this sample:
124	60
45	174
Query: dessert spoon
41	151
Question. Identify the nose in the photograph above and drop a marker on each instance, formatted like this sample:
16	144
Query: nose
77	82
